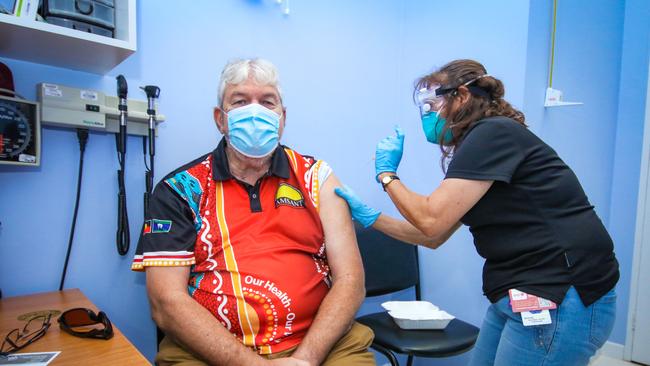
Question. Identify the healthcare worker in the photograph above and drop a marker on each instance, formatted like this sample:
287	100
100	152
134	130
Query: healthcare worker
545	249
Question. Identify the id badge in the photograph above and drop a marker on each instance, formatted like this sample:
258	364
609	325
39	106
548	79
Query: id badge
534	309
535	317
521	301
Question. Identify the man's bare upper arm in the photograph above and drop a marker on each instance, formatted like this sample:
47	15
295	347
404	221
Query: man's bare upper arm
340	241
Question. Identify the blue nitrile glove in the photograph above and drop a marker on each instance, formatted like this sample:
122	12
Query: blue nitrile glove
389	153
361	212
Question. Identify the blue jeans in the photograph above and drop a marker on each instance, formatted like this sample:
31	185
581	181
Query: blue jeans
575	334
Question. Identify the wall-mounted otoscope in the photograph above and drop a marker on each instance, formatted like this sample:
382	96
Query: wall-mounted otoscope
88	109
122	91
122	237
153	92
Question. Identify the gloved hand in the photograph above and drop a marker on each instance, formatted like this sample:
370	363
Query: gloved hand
389	153
361	212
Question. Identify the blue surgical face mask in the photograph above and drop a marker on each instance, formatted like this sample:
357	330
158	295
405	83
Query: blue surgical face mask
253	130
433	125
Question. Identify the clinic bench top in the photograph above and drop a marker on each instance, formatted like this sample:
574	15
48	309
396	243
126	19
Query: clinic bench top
74	350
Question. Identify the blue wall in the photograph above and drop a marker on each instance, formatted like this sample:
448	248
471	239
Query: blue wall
586	68
601	59
347	70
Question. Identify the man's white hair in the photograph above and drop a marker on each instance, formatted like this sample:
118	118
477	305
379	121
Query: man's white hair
237	71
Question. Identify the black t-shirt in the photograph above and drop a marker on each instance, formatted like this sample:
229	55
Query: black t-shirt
535	226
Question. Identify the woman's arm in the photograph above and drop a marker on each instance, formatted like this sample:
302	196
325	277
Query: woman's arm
435	215
398	229
404	231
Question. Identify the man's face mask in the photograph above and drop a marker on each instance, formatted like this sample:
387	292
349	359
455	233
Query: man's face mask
253	130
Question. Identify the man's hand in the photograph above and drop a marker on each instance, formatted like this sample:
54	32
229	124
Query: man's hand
361	212
389	153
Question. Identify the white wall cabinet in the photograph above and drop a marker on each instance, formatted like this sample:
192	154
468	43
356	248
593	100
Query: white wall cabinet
40	42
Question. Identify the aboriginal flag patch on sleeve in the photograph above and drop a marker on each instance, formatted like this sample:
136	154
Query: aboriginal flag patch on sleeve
155	226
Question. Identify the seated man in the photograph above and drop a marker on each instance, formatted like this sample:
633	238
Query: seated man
250	241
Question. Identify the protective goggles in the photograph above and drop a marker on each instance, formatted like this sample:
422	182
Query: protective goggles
80	322
431	99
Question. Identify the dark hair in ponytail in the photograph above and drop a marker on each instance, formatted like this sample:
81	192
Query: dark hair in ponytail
485	100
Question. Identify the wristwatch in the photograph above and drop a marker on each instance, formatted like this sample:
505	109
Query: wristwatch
387	179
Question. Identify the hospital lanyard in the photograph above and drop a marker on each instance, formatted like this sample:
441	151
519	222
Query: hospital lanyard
122	235
152	92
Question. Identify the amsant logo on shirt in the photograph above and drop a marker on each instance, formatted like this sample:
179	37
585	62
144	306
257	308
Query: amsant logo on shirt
288	195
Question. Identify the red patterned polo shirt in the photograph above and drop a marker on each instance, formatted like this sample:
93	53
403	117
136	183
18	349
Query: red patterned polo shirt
257	253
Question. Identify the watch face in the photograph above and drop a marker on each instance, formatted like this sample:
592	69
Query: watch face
386	179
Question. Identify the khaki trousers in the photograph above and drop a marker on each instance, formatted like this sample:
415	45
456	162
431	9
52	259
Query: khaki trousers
350	350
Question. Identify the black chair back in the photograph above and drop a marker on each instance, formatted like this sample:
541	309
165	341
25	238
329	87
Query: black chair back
390	264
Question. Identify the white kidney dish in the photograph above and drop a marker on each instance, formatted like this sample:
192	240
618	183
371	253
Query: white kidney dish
417	314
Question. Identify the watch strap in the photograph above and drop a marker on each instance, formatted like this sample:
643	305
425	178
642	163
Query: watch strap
391	178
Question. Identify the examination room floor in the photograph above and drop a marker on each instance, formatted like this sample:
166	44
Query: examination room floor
608	361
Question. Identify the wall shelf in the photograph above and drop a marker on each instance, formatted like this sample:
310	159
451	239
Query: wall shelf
30	40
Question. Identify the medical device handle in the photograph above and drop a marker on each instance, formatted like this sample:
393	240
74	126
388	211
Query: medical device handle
122	236
152	92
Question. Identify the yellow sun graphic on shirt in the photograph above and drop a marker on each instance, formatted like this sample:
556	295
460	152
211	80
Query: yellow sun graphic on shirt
288	195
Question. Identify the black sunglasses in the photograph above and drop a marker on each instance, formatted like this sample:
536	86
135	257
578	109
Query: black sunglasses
18	339
81	318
